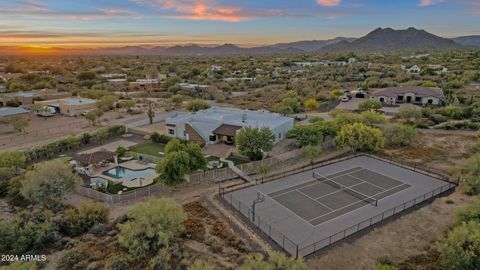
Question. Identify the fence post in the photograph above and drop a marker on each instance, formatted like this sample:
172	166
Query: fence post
296	255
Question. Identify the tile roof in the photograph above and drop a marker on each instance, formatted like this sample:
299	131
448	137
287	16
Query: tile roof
417	90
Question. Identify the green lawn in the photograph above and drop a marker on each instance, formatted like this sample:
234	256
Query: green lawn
148	148
210	158
114	188
238	161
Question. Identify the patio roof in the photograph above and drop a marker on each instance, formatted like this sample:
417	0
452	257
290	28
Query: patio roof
95	157
226	130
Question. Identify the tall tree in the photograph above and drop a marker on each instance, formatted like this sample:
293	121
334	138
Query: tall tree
48	182
254	142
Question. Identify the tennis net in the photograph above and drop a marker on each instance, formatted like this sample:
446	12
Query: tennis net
346	189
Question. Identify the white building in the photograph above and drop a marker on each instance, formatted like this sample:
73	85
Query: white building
216	124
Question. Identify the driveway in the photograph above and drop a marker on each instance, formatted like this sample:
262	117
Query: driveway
350	105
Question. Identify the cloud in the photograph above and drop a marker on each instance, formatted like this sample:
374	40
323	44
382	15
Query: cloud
38	9
210	10
329	3
425	3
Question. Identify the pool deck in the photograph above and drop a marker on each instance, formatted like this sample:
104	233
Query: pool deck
132	165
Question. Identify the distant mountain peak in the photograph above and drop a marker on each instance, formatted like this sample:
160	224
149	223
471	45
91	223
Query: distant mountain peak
387	39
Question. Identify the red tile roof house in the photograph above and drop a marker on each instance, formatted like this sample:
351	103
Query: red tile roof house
417	95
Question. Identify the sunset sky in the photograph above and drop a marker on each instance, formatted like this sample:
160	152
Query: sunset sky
100	23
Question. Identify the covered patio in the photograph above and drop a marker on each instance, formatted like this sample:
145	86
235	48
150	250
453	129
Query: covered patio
226	133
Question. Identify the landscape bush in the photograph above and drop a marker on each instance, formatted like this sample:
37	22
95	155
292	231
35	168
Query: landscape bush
159	138
28	232
151	225
74	142
359	137
400	135
194	229
47	182
460	248
76	222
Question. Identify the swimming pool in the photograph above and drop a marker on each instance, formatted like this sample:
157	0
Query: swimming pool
127	174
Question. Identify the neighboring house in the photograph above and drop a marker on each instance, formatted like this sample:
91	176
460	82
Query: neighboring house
13	112
115	78
413	69
409	94
28	98
71	106
145	84
216	125
8	76
193	86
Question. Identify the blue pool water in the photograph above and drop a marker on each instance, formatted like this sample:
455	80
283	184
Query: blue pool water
127	174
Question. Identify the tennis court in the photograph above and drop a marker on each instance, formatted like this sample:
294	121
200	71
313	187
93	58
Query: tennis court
312	209
327	197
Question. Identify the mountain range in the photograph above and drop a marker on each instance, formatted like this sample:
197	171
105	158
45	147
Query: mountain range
380	39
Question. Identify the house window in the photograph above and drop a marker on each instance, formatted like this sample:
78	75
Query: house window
171	131
418	99
430	101
212	138
400	98
382	99
279	135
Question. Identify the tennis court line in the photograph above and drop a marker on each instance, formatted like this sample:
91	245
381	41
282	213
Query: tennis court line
366	204
372	183
313	180
313	199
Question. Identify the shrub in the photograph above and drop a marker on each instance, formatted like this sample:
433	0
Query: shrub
471	180
360	137
194	229
197	105
315	119
370	104
27	232
151	226
73	260
400	135
460	248
159	138
78	222
470	213
371	117
121	151
119	262
48	182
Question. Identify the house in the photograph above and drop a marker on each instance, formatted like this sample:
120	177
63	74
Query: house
413	69
71	106
8	76
13	112
145	84
115	78
217	125
194	86
409	94
28	98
